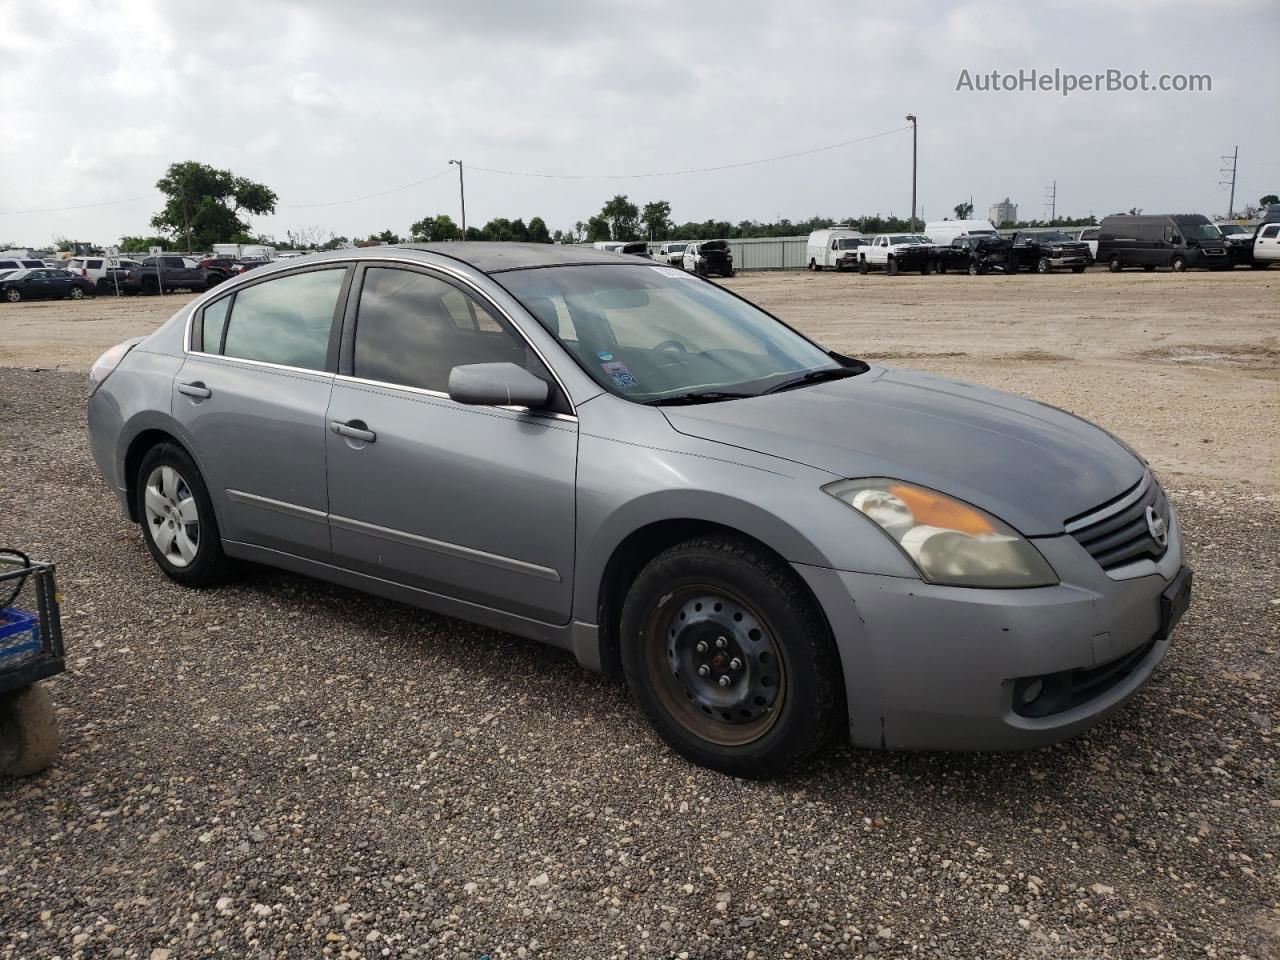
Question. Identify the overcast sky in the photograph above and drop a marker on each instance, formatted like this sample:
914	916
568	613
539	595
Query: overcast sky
329	101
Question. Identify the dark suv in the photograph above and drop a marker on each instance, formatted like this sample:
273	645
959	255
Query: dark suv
168	272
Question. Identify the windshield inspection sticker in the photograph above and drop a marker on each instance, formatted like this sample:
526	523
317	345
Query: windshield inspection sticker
620	375
604	355
672	272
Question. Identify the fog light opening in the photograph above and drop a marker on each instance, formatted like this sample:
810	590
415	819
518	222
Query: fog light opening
1031	692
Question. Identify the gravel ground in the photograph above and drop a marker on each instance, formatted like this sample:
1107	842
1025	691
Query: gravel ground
281	768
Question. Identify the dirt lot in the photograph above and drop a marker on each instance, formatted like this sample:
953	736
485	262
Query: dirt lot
280	768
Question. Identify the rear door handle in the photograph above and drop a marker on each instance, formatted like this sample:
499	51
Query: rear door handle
195	389
356	430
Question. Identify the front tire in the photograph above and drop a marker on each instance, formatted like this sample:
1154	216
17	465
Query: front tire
29	737
864	267
12	295
178	523
730	658
1178	264
892	267
1043	266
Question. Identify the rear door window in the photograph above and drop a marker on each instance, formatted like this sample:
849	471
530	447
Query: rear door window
286	320
94	264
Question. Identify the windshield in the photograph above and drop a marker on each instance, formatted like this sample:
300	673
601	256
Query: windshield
848	243
1232	229
982	233
904	239
1052	237
1199	231
676	247
650	332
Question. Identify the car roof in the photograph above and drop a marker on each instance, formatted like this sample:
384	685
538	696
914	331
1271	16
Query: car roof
499	257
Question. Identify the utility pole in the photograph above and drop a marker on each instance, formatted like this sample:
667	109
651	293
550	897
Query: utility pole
462	193
1234	158
912	118
1051	197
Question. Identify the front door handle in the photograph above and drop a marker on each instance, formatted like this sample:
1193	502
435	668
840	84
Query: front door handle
356	430
195	389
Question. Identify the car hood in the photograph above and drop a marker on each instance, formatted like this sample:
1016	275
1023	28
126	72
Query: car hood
1032	465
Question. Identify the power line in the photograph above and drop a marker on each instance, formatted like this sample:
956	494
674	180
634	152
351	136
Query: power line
370	196
80	206
680	173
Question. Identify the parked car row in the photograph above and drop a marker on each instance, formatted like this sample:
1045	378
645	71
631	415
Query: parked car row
76	277
1176	241
704	258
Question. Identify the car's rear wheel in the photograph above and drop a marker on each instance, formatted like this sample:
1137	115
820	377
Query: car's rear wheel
75	293
12	295
730	658
1115	266
177	518
813	265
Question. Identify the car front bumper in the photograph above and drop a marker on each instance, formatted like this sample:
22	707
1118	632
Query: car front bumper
930	667
1071	261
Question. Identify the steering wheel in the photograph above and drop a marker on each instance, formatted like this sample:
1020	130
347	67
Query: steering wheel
672	345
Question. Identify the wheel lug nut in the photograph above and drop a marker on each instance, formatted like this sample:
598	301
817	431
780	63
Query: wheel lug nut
735	664
721	642
704	670
725	681
702	646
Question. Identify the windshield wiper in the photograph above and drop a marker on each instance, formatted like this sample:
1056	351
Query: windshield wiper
697	396
813	376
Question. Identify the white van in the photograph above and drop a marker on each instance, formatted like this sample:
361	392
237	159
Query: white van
830	248
942	232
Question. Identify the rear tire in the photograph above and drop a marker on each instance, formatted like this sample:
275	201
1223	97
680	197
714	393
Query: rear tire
1115	266
177	518
29	737
75	293
813	265
726	605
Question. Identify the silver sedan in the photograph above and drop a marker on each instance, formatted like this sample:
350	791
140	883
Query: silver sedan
773	544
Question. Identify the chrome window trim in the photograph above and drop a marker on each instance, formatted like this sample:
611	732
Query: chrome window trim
1132	497
446	269
445	548
440	395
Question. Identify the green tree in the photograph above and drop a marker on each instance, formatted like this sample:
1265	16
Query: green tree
538	231
140	244
388	237
598	228
623	217
964	210
1269	199
656	217
203	205
437	229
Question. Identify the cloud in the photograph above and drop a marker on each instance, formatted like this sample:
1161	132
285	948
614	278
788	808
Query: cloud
325	100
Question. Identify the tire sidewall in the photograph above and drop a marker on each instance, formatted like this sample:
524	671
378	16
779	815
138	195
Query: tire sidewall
807	697
209	563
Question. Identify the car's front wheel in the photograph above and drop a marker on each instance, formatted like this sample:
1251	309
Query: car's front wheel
177	518
1043	266
1178	264
13	295
730	658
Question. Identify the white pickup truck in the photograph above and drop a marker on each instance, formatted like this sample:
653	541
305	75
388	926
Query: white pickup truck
894	252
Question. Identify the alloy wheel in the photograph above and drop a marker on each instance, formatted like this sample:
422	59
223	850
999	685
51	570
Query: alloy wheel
173	516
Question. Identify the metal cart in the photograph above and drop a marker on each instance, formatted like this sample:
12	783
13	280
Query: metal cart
30	651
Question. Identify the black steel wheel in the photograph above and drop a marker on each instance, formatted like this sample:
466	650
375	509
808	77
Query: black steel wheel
730	658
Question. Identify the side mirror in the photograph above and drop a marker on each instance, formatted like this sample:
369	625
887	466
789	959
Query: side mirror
496	385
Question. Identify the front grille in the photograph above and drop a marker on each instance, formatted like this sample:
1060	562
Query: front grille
1118	533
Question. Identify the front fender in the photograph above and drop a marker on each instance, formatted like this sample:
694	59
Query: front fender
623	487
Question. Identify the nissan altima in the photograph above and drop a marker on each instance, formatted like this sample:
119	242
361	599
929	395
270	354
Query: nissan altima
772	543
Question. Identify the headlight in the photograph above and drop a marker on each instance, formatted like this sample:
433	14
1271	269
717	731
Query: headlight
106	364
948	541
